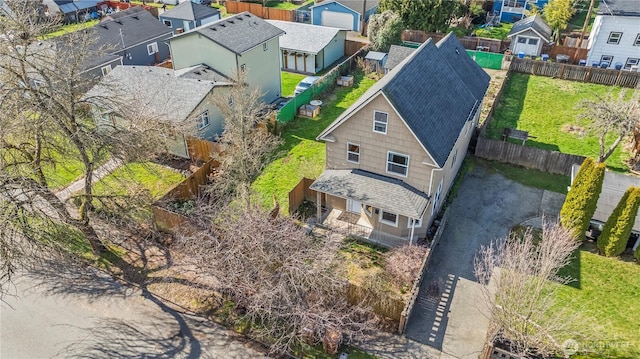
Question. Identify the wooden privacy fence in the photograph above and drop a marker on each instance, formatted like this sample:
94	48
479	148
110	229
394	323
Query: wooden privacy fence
575	54
468	42
301	192
381	304
351	47
576	73
529	157
202	150
413	296
236	7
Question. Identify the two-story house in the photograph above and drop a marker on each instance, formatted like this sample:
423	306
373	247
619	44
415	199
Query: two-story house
243	43
343	14
614	41
189	15
514	10
392	156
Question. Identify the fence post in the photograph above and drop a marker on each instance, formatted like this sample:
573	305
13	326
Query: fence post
561	72
588	77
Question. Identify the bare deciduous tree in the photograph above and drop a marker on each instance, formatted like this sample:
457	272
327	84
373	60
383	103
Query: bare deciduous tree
289	285
404	262
520	275
612	117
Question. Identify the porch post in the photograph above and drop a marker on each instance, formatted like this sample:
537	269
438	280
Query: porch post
413	227
319	206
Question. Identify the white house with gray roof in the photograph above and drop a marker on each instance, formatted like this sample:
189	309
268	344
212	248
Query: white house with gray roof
529	35
182	99
308	48
240	43
189	15
392	156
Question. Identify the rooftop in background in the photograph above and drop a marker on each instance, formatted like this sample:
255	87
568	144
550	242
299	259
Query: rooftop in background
238	33
619	7
535	23
191	11
396	55
129	27
304	37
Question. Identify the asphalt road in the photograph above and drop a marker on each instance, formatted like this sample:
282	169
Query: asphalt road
95	317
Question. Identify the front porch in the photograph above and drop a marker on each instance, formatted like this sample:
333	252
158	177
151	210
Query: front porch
348	224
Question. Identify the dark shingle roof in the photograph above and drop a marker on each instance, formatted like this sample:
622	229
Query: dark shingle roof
435	90
535	23
356	5
396	55
373	189
190	11
132	26
238	33
619	7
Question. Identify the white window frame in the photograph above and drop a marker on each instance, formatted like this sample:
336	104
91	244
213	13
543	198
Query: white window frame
386	123
368	209
607	58
105	70
389	153
612	39
387	222
522	40
152	48
534	40
631	61
349	152
167	22
418	223
203	120
637	40
436	198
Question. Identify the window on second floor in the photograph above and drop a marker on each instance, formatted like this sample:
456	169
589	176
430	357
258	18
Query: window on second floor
265	47
380	120
397	163
614	37
167	22
353	152
152	48
203	120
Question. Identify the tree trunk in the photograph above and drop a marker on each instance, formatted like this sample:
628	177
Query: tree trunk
90	234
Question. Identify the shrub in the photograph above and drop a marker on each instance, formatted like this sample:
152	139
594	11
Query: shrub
403	264
582	199
615	234
637	254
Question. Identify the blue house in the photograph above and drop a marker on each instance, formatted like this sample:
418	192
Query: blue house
189	15
513	10
343	14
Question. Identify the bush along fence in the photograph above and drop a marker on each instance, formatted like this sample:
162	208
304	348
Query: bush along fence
288	112
413	296
576	73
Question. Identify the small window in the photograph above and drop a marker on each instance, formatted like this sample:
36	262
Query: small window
353	152
631	62
522	40
368	210
533	41
380	120
436	199
411	220
167	22
389	218
606	58
106	70
152	48
265	47
397	163
203	120
637	41
614	37
455	158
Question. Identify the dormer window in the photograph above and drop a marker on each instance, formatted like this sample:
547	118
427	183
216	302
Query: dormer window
380	120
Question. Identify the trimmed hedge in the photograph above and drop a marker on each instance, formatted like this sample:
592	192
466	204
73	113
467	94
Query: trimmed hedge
582	199
615	234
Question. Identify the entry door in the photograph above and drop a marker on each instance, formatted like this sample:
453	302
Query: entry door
354	206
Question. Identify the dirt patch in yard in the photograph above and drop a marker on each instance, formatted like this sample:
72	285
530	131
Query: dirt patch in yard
497	80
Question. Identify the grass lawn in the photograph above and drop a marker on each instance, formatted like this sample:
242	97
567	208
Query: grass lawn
577	21
495	32
285	5
289	82
64	29
607	289
154	179
301	155
548	109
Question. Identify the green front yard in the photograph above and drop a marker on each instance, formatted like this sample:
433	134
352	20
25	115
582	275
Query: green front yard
548	108
289	82
301	155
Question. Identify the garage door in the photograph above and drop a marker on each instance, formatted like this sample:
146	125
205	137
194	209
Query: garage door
528	45
337	19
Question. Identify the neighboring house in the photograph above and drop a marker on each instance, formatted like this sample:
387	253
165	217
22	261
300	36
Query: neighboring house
189	15
182	98
70	10
613	187
309	48
396	55
135	35
376	60
392	156
240	43
514	10
343	14
528	35
615	35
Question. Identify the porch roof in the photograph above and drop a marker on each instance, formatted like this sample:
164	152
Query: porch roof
379	191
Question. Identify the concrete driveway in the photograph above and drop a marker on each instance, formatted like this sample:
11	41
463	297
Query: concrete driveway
450	314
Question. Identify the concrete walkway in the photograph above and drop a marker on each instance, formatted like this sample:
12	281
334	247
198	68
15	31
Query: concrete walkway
450	314
98	174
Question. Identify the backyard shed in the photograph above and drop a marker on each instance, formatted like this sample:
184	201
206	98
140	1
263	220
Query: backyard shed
528	35
376	60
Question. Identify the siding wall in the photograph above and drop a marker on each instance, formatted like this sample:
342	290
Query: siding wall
316	13
335	49
140	55
263	69
602	27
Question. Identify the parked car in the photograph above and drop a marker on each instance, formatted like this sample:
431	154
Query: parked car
305	84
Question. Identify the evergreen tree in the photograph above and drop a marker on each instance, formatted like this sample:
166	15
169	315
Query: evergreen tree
384	30
581	201
425	15
615	234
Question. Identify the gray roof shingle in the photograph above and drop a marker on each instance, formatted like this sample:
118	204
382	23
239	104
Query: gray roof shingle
356	5
535	23
378	191
129	28
396	55
304	37
619	7
190	11
239	33
435	90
